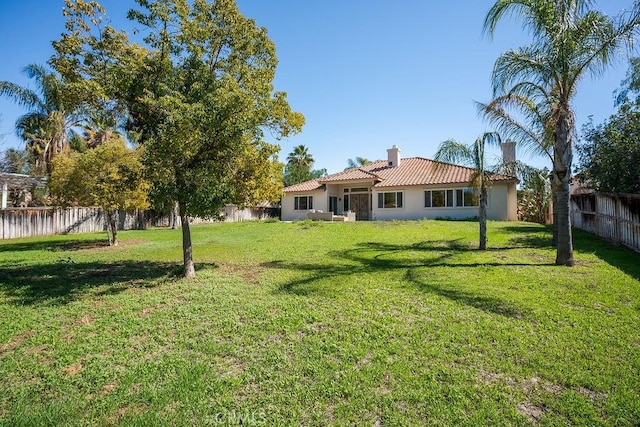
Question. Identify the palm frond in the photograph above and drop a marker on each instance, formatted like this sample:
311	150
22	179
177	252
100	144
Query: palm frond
527	130
502	9
452	151
515	66
22	96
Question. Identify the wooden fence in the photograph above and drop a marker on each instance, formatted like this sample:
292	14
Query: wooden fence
614	217
33	222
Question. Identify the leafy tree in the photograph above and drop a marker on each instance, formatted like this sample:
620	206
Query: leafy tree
357	162
299	167
109	176
98	63
295	173
52	113
610	153
198	99
300	156
473	156
570	41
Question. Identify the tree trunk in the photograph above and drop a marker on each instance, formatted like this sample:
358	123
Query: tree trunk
112	226
554	206
187	247
562	157
173	217
483	218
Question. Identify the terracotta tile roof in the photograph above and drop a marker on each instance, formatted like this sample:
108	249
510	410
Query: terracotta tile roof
304	186
412	171
350	175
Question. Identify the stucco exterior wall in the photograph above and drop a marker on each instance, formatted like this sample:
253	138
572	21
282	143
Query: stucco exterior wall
502	205
320	202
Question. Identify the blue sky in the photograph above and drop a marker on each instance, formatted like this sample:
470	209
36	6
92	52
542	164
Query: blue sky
366	74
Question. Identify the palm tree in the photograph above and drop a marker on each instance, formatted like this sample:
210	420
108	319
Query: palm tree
300	156
531	105
100	128
473	156
570	41
357	162
45	127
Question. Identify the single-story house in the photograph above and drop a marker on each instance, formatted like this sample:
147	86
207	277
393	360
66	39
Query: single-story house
403	189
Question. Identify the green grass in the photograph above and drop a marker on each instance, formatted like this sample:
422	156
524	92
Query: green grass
389	323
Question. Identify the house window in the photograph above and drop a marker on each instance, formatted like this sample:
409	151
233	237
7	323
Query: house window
303	203
390	200
346	203
470	197
449	198
466	197
434	199
460	197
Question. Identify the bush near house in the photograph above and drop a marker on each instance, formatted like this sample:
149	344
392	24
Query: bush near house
371	323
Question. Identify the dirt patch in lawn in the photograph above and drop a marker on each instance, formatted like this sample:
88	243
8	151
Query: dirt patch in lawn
250	273
16	342
103	245
531	411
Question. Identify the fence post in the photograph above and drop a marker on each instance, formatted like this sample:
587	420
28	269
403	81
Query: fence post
617	212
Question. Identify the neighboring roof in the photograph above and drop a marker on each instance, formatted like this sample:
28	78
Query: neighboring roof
579	187
412	171
16	180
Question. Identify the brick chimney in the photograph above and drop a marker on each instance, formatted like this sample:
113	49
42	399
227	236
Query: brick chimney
508	151
393	156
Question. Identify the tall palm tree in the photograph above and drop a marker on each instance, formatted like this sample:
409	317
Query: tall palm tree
45	127
473	156
570	41
300	156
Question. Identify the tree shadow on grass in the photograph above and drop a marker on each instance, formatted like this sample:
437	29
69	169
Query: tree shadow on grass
54	245
531	236
373	257
67	281
540	236
487	303
620	257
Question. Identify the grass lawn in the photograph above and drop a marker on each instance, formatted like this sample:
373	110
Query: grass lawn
373	324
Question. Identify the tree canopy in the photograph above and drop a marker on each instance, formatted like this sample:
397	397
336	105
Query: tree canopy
198	96
109	176
610	152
